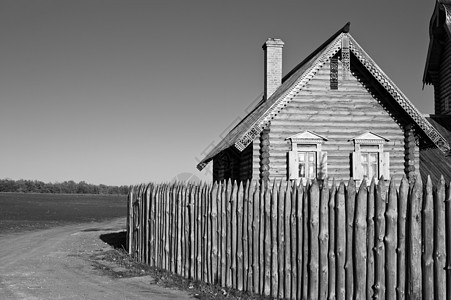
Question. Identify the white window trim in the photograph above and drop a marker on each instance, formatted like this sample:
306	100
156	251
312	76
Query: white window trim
370	139
303	142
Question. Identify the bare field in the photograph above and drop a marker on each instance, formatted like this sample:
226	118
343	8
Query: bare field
23	212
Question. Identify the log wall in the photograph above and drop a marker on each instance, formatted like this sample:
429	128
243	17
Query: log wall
338	115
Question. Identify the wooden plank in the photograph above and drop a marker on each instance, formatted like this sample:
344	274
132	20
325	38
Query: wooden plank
191	244
370	241
439	241
414	245
340	241
239	237
379	248
428	242
313	258
349	214
287	233
274	237
215	194
331	255
251	236
448	241
323	238
299	240
391	239
267	240
360	241
256	267
281	241
305	244
227	237
245	228
232	236
223	235
401	263
293	239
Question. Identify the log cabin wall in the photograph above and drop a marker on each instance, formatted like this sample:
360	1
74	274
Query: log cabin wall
443	90
338	115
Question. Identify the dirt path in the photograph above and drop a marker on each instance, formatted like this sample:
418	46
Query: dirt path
54	264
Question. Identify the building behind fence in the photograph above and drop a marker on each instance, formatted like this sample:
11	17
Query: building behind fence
322	241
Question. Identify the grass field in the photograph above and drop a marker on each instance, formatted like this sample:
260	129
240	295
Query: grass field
22	212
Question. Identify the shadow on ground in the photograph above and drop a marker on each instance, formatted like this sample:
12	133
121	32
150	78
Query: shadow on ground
117	240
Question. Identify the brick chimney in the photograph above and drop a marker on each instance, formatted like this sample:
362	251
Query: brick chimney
273	65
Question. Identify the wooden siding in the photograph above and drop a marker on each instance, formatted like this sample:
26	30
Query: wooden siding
444	89
338	115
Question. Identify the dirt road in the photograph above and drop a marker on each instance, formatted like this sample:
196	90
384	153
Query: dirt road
55	264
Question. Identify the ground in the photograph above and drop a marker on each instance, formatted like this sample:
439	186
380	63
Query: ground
68	262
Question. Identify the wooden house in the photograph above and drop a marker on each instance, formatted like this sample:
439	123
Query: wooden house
336	114
438	73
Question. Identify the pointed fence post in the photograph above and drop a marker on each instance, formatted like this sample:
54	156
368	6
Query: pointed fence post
349	214
331	254
313	240
379	249
299	234
360	238
439	241
340	242
414	246
428	242
370	240
274	237
323	238
391	219
401	262
448	241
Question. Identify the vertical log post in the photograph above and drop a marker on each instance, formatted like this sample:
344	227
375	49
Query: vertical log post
370	241
401	263
413	248
428	242
323	241
379	249
350	211
391	219
331	255
439	242
340	241
274	236
287	229
448	241
360	238
299	238
313	240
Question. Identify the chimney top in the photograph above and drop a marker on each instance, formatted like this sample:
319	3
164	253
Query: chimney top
271	42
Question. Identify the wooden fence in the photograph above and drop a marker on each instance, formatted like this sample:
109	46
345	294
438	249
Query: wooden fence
318	242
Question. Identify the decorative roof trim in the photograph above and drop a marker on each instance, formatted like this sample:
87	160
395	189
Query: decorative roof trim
399	96
247	138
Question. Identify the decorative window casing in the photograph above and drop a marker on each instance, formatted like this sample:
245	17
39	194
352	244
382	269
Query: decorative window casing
306	160
369	159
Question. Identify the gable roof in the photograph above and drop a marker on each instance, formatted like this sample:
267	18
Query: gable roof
250	127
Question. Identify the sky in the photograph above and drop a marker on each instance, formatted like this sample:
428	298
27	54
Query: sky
127	92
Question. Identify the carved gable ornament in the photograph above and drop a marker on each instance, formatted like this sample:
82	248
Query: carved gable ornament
307	137
369	138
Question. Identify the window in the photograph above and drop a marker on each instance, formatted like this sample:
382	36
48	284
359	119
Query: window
306	160
369	159
370	164
307	164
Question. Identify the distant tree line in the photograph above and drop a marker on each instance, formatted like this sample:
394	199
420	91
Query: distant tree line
66	187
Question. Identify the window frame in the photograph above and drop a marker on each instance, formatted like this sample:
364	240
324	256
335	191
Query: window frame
304	143
370	143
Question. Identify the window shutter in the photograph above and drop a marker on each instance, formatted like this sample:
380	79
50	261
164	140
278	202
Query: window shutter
293	165
384	165
357	169
322	165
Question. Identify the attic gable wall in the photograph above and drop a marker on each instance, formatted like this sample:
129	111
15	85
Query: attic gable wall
338	115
